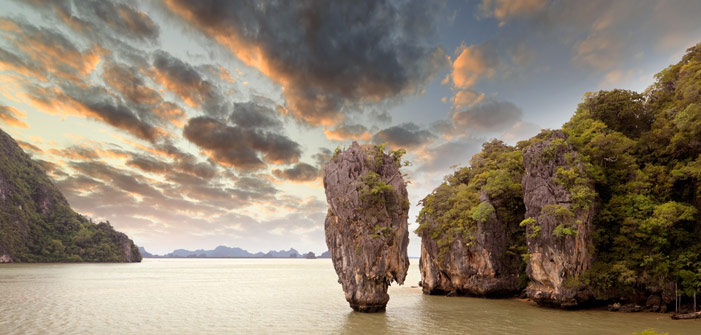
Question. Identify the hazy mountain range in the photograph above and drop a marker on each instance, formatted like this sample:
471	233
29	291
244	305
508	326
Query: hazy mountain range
229	252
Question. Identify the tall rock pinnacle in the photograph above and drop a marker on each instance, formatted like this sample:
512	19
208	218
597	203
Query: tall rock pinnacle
366	225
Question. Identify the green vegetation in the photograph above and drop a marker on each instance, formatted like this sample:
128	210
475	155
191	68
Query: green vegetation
455	208
38	225
642	154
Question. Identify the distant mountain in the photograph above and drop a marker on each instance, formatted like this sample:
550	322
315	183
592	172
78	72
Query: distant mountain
227	252
283	253
144	253
38	225
325	254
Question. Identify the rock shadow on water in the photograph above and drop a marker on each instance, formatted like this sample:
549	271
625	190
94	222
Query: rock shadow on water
367	323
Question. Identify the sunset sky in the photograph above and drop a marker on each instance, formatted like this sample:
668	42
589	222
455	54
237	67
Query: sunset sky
193	124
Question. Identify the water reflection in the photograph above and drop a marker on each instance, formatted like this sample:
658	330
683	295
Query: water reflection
366	323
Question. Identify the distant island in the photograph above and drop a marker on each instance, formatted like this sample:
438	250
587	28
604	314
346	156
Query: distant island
229	252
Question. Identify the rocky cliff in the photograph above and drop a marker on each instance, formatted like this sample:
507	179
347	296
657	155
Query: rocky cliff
559	214
38	225
470	228
366	225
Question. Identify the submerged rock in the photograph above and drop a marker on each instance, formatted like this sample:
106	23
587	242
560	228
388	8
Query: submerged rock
559	212
366	225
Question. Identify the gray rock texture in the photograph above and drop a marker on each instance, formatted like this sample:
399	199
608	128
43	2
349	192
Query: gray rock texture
484	268
366	225
556	262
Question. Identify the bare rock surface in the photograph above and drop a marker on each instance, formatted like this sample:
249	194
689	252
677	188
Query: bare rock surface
366	225
484	268
560	237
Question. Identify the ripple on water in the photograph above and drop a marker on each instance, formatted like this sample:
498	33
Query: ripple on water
265	296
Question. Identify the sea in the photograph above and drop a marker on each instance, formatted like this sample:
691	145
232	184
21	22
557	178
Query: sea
268	296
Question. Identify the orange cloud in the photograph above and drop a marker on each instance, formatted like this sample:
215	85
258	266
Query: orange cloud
470	65
56	102
319	86
11	117
46	53
348	132
467	98
504	10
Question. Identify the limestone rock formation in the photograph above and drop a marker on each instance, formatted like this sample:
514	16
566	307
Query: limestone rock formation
483	268
366	225
559	212
37	223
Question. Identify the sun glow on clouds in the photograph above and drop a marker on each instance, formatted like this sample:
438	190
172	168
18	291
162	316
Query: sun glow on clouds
193	124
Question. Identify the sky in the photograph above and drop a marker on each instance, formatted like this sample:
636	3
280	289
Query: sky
193	124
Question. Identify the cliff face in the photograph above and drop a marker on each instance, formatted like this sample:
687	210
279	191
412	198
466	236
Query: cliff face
479	267
469	228
38	225
559	213
366	225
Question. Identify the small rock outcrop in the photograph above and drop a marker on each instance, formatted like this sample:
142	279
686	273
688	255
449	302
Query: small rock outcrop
471	239
483	268
559	211
366	225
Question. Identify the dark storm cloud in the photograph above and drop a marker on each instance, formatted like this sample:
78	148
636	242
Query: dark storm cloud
238	147
100	18
406	135
76	152
252	115
148	164
121	18
185	81
96	103
43	53
299	172
116	178
327	55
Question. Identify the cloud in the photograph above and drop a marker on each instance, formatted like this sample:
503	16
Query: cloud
28	146
100	20
322	157
491	115
127	81
299	172
253	115
121	18
473	63
329	55
44	53
467	98
406	135
440	158
238	147
95	103
11	117
520	131
348	132
505	10
186	82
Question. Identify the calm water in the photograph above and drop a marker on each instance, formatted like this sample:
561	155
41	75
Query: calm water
265	296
